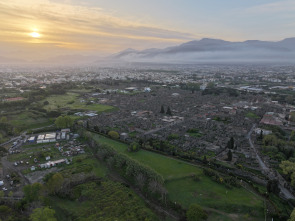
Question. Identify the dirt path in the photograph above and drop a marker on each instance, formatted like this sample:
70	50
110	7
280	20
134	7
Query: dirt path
8	166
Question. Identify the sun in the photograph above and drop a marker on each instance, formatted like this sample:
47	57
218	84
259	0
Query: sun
35	35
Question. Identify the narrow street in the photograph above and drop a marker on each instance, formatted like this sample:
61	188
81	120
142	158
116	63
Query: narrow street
260	161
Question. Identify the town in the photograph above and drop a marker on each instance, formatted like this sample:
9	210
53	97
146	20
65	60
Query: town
235	125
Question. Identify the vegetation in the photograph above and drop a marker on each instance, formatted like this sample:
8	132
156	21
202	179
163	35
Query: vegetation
252	115
224	196
64	122
229	156
289	170
80	191
276	147
196	213
114	134
292	216
70	101
194	132
168	112
102	200
162	111
43	214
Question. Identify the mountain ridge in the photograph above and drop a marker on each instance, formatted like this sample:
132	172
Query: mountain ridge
208	49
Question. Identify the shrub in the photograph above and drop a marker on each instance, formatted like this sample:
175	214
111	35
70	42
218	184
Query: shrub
114	134
196	213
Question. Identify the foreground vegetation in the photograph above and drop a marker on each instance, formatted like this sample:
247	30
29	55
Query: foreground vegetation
203	190
79	191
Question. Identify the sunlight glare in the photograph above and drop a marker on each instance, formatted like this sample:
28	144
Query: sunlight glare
35	35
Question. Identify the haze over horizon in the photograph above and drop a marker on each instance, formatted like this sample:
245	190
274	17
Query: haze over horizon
41	29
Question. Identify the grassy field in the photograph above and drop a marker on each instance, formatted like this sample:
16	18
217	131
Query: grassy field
29	120
169	168
231	204
212	195
72	101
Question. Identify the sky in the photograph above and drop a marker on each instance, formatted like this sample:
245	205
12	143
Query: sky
40	29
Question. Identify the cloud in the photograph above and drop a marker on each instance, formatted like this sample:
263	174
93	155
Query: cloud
79	28
275	7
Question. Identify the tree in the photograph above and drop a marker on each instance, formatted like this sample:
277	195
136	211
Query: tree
113	134
292	116
196	213
261	135
64	121
289	99
55	183
10	194
133	147
153	186
231	143
205	161
162	110
3	119
32	192
292	216
43	214
1	194
140	180
270	140
289	170
168	111
229	155
273	186
210	85
292	136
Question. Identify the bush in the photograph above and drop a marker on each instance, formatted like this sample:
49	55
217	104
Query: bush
114	134
134	147
173	137
196	213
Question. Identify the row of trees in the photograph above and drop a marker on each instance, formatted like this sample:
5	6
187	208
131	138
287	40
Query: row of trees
143	176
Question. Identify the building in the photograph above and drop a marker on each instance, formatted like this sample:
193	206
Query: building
53	163
13	99
270	118
31	139
147	89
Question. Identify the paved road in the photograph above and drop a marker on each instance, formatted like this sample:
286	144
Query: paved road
268	171
11	140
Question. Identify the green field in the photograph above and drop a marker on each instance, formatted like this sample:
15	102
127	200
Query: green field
212	195
169	168
72	101
29	120
252	115
228	203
